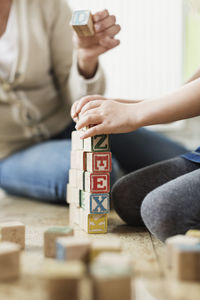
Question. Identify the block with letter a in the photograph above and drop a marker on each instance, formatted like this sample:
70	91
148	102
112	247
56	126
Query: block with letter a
97	182
99	162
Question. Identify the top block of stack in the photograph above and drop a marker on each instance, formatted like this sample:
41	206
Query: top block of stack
82	23
97	143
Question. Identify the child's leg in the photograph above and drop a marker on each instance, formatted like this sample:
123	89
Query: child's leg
141	148
174	207
129	192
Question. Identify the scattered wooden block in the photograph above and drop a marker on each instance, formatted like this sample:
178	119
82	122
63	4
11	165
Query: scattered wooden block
98	143
63	279
97	183
50	237
187	262
95	203
76	179
175	241
78	160
77	142
193	233
73	248
82	23
99	162
9	260
103	246
13	232
111	278
73	195
95	223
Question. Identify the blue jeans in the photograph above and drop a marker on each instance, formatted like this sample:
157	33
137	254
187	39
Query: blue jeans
41	171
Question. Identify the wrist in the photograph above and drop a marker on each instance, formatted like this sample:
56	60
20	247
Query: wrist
87	66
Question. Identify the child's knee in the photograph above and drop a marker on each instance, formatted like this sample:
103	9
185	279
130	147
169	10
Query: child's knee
158	216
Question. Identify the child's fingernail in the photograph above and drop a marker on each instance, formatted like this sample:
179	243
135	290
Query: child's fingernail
97	27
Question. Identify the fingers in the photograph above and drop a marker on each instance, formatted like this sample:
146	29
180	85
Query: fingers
96	130
83	101
100	15
90	105
73	110
111	31
88	120
104	24
109	43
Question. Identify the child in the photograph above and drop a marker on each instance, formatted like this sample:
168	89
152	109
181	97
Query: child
165	196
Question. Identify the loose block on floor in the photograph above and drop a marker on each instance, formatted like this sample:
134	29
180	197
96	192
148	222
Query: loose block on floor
97	183
77	142
187	262
9	260
13	232
103	246
193	233
73	195
73	248
50	237
95	203
63	279
97	143
82	23
98	162
96	224
177	240
111	278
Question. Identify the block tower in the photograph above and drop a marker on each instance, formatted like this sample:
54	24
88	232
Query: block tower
88	191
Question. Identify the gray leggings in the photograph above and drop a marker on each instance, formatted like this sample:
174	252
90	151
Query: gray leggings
165	197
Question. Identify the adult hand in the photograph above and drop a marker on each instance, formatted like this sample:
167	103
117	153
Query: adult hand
90	48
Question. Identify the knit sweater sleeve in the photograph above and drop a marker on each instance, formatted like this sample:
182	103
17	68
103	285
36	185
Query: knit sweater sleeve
64	59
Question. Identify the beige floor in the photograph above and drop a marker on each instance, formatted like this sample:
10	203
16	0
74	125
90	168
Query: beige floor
152	281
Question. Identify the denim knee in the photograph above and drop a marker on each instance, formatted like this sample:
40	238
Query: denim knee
158	215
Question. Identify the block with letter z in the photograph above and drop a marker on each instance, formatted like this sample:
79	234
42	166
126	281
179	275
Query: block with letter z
97	143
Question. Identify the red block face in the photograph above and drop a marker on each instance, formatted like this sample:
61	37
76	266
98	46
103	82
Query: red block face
102	162
100	183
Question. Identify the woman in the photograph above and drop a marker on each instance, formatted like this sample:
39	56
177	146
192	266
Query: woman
38	83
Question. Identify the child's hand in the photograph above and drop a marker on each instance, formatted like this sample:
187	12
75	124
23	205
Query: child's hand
107	117
78	105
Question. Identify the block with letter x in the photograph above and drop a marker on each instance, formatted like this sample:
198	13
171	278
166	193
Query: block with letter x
99	161
97	183
95	203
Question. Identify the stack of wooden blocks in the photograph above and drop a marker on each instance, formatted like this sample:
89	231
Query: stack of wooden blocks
88	191
183	253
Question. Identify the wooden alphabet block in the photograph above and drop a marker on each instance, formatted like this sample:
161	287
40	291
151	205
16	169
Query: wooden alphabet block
95	223
177	240
103	246
74	215
97	183
13	232
99	162
78	160
73	195
95	203
111	279
63	279
50	237
73	248
82	23
77	142
76	179
193	233
9	260
97	143
187	262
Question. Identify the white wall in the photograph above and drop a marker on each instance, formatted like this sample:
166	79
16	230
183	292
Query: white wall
149	61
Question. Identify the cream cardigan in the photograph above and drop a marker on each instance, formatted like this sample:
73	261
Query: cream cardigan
35	102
